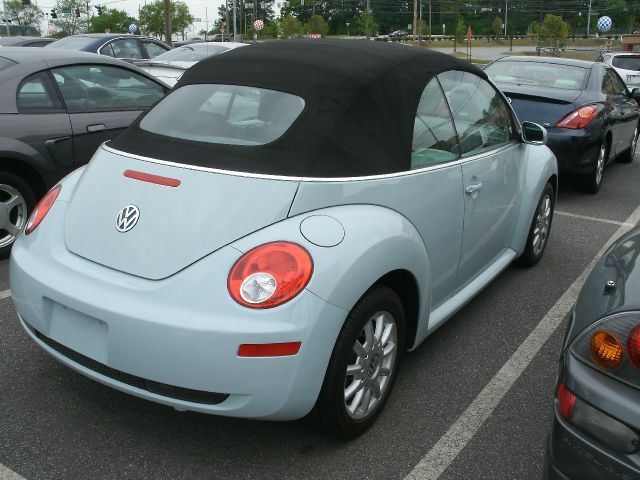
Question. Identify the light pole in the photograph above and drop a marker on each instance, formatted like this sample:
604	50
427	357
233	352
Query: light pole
506	11
589	19
348	35
6	19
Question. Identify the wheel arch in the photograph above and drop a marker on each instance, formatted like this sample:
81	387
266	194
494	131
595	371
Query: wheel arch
404	284
26	172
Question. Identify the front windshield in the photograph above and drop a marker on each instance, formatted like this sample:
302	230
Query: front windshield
191	53
225	114
554	75
72	43
627	62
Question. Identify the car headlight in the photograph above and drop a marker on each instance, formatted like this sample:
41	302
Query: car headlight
612	346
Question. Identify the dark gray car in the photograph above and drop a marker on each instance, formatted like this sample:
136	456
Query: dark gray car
596	423
56	108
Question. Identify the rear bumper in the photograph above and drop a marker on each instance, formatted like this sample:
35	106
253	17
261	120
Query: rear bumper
177	337
576	150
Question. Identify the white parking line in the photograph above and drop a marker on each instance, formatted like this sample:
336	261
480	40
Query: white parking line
7	474
593	219
444	452
5	294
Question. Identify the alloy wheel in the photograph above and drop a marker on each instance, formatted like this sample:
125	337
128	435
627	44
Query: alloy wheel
368	377
600	164
543	224
13	214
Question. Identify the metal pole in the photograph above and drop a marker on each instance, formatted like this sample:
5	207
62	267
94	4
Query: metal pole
206	23
429	21
506	11
589	19
420	24
415	19
6	19
234	22
366	20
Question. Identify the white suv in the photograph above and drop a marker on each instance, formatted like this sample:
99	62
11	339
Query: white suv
627	65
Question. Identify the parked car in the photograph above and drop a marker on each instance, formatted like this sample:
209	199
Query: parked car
170	66
627	64
56	108
117	45
590	116
267	246
595	433
25	41
220	37
398	35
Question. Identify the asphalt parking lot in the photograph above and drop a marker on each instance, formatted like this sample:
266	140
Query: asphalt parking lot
455	412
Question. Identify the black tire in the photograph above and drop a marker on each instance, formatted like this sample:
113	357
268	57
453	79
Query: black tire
9	183
330	413
540	228
627	157
591	182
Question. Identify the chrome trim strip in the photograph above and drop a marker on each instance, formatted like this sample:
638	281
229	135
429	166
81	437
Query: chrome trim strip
460	161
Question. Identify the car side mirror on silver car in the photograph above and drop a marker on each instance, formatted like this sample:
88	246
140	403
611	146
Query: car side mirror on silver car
533	133
635	94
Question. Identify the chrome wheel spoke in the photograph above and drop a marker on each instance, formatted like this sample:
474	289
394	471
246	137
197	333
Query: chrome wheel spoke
368	335
386	333
359	349
12	229
356	402
365	402
377	334
354	369
388	349
352	389
13	202
375	390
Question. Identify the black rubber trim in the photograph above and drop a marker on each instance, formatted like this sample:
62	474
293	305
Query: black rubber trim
179	393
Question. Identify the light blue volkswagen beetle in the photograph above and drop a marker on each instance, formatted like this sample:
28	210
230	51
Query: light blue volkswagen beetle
269	238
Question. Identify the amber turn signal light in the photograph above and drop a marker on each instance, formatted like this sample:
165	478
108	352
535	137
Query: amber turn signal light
606	349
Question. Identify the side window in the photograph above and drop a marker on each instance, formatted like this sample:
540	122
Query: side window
35	94
100	87
126	48
153	49
618	85
607	86
107	50
481	116
434	138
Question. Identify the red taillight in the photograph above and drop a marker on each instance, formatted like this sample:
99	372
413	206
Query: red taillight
268	349
633	347
566	399
580	118
41	210
270	275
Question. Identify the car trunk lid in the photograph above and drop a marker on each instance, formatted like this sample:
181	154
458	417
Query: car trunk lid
546	106
177	225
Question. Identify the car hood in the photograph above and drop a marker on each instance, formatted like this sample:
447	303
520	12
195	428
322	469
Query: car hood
619	265
177	225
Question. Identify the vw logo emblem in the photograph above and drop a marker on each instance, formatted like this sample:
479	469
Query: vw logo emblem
127	218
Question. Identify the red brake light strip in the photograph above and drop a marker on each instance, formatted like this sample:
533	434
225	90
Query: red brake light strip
148	177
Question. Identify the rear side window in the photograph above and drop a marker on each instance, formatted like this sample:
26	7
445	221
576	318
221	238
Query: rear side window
627	62
153	49
481	116
35	94
224	114
123	48
434	138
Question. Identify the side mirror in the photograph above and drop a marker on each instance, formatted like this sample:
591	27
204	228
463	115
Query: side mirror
635	94
534	134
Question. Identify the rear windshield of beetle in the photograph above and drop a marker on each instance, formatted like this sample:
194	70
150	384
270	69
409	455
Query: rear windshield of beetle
224	114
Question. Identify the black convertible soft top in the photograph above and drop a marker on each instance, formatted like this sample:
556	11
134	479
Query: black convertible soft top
360	99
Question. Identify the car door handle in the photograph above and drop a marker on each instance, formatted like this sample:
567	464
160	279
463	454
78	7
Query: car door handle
52	141
96	128
471	189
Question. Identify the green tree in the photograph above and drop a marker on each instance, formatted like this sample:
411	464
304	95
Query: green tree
554	31
152	18
114	20
461	30
290	26
68	23
317	24
25	16
497	26
365	24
